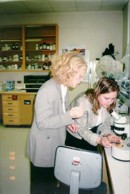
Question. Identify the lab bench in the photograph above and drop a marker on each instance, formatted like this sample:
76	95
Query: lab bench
118	173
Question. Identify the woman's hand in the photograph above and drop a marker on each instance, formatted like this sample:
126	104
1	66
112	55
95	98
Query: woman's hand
73	128
76	112
107	141
114	138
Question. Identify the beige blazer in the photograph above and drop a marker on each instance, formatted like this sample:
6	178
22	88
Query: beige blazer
48	130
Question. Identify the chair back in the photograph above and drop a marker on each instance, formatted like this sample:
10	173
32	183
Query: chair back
77	168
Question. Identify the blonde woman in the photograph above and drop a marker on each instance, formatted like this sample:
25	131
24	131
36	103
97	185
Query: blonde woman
51	116
94	128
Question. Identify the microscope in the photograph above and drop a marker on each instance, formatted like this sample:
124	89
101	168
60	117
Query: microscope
121	125
121	128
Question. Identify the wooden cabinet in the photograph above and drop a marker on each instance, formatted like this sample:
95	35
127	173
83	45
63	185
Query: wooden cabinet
28	47
11	48
41	42
18	109
26	104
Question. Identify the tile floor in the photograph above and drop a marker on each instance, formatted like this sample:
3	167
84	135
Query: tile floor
14	165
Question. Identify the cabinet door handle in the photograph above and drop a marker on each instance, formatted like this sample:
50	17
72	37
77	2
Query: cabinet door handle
8	97
11	121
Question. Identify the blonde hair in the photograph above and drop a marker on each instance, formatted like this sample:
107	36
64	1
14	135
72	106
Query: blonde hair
67	65
103	86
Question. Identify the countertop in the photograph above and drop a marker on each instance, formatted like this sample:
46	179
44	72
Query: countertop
119	172
16	92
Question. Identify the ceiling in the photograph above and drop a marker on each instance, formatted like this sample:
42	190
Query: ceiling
9	7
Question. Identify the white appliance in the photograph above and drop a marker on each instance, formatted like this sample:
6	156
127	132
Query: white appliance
122	152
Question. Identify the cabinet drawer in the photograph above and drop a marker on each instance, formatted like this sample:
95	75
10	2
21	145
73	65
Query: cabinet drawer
6	114
9	97
8	109
11	121
10	103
